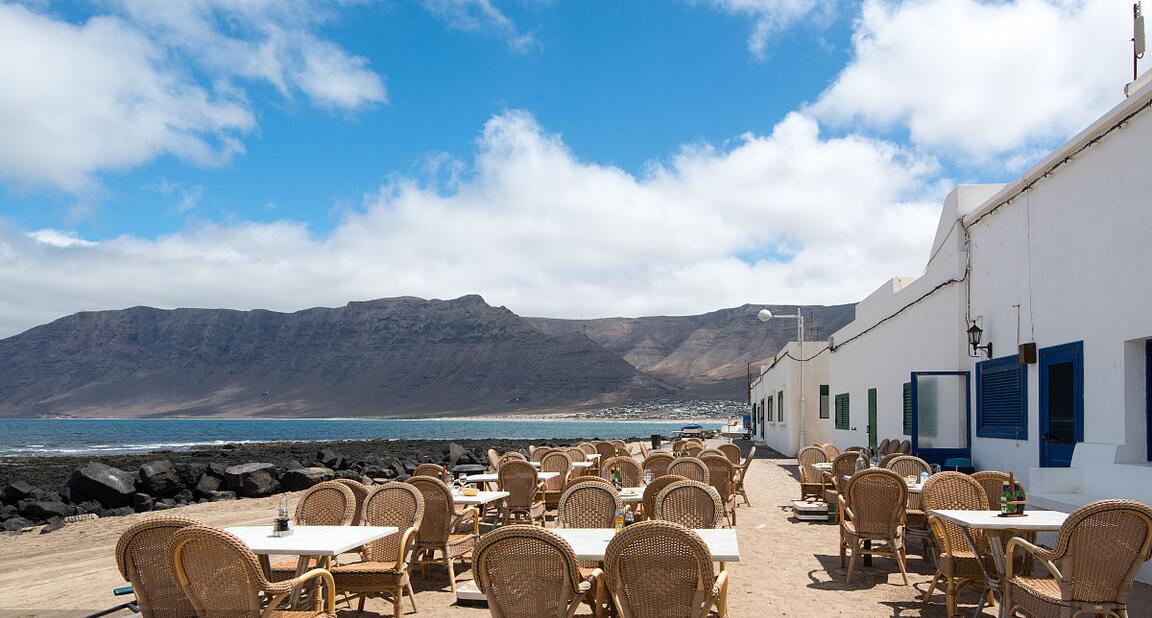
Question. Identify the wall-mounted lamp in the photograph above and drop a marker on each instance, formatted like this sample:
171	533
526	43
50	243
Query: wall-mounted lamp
974	335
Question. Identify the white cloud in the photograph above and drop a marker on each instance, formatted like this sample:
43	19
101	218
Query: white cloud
533	227
979	80
774	16
480	16
155	78
57	238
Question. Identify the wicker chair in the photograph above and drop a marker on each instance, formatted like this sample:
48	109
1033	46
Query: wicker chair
510	456
539	453
652	491
441	529
657	568
874	511
690	468
834	483
679	445
882	448
587	447
435	471
721	475
528	572
521	480
556	461
658	464
607	451
643	450
693	450
629	469
732	452
743	474
910	466
811	479
384	568
493	459
830	450
330	503
142	557
588	504
712	452
620	444
576	454
690	503
957	565
993	484
905	447
887	459
594	479
202	558
360	491
1100	547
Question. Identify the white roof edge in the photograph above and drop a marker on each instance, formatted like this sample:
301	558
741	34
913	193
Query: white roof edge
1123	109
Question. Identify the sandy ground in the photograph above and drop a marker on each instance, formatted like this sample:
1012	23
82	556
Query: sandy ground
787	568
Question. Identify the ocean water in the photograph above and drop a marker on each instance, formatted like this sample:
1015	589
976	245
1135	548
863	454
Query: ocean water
68	437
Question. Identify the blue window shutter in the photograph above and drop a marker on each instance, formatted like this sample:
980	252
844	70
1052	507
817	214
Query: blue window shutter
1002	399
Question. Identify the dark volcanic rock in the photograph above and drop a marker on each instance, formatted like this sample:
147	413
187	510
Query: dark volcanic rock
216	496
142	502
53	525
109	486
40	511
253	480
159	478
190	473
16	491
329	459
15	524
455	454
303	478
208	484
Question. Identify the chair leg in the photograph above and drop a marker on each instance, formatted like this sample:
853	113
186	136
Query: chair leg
843	547
451	572
411	596
950	603
398	602
901	557
360	605
927	598
852	560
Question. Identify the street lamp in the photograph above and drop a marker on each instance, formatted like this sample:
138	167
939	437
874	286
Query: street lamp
975	333
766	315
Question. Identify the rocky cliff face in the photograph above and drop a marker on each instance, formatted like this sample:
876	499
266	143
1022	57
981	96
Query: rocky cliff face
398	356
706	355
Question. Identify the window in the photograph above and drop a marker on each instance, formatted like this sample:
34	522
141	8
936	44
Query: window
780	406
761	416
1002	399
823	401
907	408
843	417
771	416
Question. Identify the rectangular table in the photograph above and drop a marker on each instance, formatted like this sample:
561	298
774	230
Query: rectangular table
582	464
491	477
632	495
1032	521
482	497
590	543
307	542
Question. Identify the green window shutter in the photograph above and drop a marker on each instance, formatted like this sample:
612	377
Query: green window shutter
780	406
907	408
843	415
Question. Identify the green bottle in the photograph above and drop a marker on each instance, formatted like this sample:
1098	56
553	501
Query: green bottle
1005	500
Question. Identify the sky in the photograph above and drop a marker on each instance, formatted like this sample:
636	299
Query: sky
563	158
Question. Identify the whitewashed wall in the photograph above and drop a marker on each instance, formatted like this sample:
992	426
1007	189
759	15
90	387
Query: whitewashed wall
784	436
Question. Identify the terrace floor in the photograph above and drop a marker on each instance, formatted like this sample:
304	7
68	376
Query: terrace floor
787	568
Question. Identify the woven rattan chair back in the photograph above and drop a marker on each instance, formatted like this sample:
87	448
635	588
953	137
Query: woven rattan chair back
732	452
527	572
520	480
721	473
887	459
877	498
690	468
629	469
657	569
652	491
539	453
588	504
830	450
808	456
711	451
692	450
679	445
439	508
360	491
330	503
557	461
844	465
658	464
493	459
954	491
909	465
1102	546
434	471
691	504
594	479
576	454
883	446
142	557
391	504
993	483
218	573
747	462
905	447
607	450
587	447
512	455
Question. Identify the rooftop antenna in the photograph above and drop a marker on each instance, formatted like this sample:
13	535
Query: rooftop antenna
1137	38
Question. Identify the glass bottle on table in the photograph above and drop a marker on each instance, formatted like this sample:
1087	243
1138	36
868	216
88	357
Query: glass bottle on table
281	525
619	520
1005	499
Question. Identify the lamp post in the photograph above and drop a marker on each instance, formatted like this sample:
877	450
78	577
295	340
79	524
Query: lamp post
766	315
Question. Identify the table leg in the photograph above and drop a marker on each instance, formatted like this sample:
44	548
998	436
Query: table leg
867	554
301	568
991	563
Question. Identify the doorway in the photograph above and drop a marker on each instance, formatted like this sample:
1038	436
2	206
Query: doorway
1061	403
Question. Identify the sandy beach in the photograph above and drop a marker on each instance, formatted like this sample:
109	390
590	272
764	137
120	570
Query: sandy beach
787	568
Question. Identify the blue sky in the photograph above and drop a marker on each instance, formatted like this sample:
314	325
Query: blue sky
568	158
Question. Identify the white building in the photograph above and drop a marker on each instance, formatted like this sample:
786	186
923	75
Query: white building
1058	262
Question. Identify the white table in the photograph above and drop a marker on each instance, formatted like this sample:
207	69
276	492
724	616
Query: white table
492	477
307	542
1032	521
913	488
822	466
590	543
632	495
481	497
582	464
